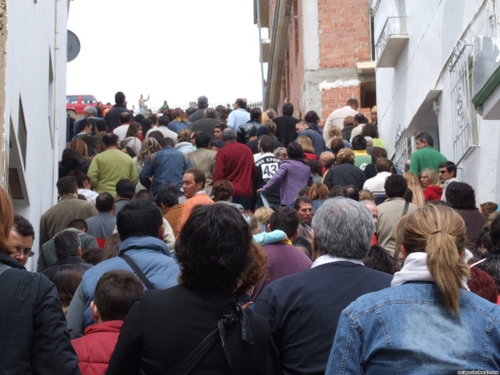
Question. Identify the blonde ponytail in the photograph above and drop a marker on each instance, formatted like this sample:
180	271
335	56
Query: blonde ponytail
447	268
440	232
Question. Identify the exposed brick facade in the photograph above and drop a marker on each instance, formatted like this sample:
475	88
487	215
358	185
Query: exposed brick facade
344	33
344	40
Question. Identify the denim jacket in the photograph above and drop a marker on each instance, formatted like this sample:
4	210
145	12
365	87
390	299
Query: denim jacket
405	329
169	167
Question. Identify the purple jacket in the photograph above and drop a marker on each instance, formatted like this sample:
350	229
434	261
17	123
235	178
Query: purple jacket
293	175
283	260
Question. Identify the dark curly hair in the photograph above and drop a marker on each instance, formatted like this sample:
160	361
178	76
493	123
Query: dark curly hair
311	116
461	196
370	130
395	186
256	270
222	190
213	248
295	151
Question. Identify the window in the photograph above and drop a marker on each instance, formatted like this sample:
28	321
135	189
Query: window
22	133
73	99
464	116
88	99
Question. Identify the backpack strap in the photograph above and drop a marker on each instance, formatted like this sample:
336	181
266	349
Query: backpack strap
138	272
4	267
405	210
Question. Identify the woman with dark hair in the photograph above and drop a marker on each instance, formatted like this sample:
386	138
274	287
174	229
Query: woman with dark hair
377	152
319	194
253	274
462	199
112	246
316	169
420	322
162	332
70	162
312	120
371	131
67	279
83	157
146	124
133	138
180	121
223	191
293	174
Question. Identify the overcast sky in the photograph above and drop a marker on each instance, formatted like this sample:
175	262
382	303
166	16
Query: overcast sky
171	49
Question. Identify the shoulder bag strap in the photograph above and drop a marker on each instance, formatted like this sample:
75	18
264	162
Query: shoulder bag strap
4	267
405	210
138	271
195	354
198	351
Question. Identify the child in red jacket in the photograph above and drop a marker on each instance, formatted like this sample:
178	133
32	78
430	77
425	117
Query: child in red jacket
115	294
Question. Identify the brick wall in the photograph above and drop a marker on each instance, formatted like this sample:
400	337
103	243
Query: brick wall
344	40
344	33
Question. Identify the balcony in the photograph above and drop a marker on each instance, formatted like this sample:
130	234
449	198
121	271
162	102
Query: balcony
391	42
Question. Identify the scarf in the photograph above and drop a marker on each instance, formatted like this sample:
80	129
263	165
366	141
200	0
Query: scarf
415	269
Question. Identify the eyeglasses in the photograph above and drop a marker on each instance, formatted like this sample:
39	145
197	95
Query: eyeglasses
26	253
442	172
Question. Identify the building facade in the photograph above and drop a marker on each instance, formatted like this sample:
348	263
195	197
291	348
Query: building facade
319	54
32	103
436	68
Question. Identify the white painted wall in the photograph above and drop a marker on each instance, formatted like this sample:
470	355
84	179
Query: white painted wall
37	32
434	28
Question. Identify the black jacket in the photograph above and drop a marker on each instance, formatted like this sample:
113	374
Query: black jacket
68	165
247	131
304	309
68	261
33	332
206	125
254	145
112	118
285	129
345	174
164	324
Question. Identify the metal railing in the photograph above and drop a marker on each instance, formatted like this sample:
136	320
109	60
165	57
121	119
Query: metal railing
250	104
401	148
392	26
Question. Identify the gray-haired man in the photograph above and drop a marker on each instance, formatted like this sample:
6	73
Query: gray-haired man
304	308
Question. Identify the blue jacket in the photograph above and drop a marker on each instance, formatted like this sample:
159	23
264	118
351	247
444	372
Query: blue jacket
169	167
405	329
150	254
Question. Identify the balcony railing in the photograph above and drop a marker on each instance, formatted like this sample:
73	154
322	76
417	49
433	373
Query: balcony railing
391	41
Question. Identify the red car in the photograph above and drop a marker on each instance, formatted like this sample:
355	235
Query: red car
77	103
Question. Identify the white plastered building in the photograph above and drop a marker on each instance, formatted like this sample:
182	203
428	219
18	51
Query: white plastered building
33	35
438	71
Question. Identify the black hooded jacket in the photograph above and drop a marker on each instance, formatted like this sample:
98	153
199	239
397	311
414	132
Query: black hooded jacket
33	336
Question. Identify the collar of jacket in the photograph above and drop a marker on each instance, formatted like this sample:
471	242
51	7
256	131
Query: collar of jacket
67	196
6	259
144	243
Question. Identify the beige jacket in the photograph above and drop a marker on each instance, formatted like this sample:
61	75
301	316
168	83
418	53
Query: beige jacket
389	214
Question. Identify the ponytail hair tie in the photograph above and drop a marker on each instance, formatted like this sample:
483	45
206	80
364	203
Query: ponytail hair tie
436	231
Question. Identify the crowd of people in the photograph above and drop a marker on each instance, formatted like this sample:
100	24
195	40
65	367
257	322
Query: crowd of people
243	242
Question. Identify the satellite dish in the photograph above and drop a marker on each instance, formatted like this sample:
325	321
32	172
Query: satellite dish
73	46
